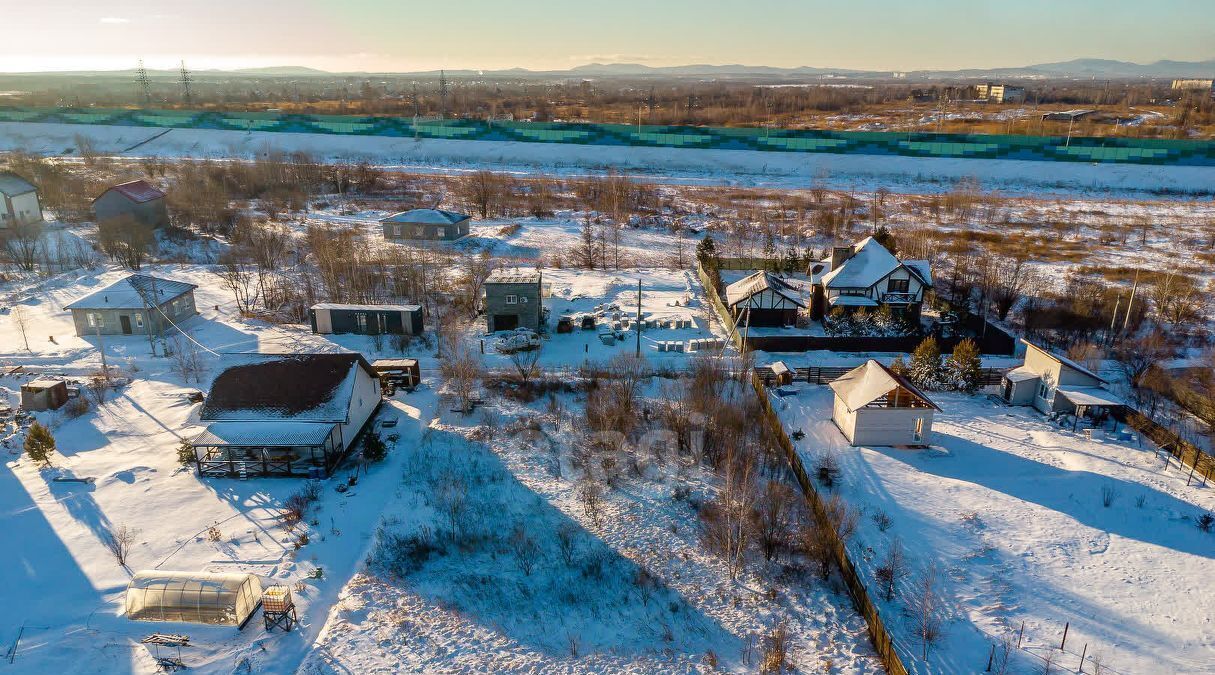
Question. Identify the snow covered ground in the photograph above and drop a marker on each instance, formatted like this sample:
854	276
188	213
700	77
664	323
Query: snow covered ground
666	295
693	166
639	594
1010	507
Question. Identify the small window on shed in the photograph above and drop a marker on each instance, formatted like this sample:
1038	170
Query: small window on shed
512	299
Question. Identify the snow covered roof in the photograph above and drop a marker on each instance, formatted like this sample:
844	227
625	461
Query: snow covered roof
394	364
757	283
367	308
426	217
268	434
868	382
1090	396
852	301
44	383
138	191
299	387
1021	374
869	264
1063	360
133	292
12	185
514	275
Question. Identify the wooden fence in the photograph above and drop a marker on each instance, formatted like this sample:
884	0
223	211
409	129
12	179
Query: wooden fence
826	374
1187	454
882	641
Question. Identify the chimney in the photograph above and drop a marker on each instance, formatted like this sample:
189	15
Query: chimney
839	255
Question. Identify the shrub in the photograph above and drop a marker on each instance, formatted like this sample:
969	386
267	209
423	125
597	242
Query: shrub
400	554
185	453
1206	521
926	369
964	369
374	448
39	444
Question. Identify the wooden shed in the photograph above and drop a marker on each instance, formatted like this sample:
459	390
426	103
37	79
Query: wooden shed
44	394
876	406
397	373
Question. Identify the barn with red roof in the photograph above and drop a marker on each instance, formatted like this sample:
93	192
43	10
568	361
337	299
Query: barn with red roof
137	199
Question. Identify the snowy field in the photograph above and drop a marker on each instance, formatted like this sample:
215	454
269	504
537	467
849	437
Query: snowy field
692	166
1011	508
637	594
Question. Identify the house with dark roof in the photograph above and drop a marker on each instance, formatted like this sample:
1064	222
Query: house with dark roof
138	200
19	203
294	415
876	406
763	299
1053	383
867	275
137	305
425	225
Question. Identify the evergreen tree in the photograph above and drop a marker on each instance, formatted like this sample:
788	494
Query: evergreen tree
899	366
39	444
706	252
964	370
185	453
926	368
886	238
374	448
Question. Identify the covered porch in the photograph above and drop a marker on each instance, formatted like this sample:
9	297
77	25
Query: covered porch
243	449
1096	404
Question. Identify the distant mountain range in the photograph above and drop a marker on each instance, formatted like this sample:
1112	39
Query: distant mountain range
1076	68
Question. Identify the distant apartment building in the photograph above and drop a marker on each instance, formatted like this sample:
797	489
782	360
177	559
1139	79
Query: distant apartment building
1194	85
999	93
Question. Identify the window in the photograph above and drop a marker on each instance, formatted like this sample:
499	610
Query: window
396	230
1043	390
512	299
95	320
361	320
138	319
898	285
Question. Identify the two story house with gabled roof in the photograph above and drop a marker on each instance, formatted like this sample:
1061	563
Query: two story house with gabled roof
867	275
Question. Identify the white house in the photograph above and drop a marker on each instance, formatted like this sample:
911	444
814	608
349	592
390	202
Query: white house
876	406
19	203
295	415
867	275
1056	384
763	299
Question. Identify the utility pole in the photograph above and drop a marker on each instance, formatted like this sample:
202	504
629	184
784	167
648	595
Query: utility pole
650	104
1127	321
145	86
638	354
105	369
186	79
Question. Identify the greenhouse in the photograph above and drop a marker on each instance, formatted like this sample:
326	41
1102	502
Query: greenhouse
193	597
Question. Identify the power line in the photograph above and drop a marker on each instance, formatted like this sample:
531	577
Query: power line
186	79
141	78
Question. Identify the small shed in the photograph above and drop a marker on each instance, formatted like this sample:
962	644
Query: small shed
876	406
44	394
331	317
223	599
782	373
425	225
138	200
397	372
19	203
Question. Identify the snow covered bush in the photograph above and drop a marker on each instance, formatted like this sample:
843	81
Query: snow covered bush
926	369
964	369
863	323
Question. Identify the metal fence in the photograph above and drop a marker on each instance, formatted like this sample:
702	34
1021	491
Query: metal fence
1117	150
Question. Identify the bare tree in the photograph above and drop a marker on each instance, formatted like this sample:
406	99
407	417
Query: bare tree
524	549
125	240
1136	356
474	270
775	657
1011	277
892	569
526	363
22	242
241	281
462	370
773	516
119	540
451	498
591	495
926	608
22	322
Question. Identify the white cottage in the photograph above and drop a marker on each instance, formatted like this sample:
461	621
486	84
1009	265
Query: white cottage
876	406
867	275
1056	384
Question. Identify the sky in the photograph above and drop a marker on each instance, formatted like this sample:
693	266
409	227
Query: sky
411	35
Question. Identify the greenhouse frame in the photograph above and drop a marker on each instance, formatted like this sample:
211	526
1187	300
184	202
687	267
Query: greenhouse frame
193	597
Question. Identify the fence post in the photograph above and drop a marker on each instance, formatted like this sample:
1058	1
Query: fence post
1065	627
1082	655
1020	635
991	658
